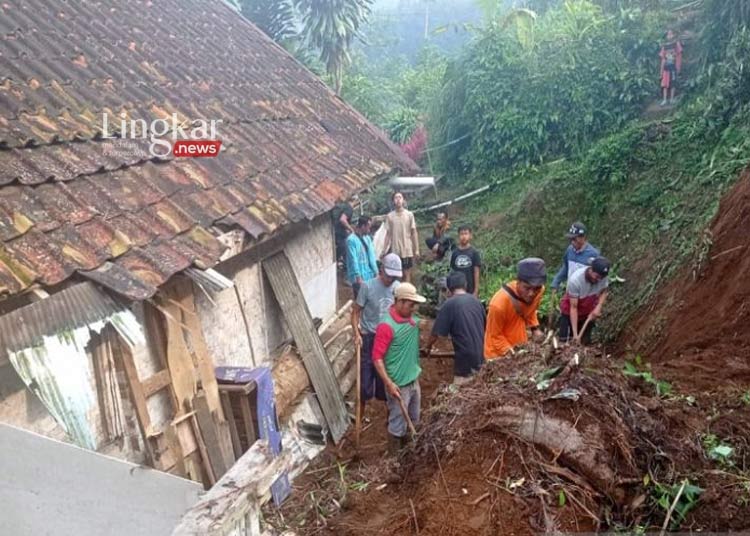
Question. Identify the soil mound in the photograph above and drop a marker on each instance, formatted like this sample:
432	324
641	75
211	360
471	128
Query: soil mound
697	329
549	440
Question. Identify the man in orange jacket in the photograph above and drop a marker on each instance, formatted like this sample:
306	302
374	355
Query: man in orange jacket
513	310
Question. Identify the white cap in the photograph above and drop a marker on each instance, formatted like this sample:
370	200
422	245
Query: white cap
392	265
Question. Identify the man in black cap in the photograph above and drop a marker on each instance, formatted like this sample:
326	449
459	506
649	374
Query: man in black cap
461	317
513	310
579	254
584	298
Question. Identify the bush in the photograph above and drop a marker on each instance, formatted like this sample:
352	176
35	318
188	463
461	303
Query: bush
547	87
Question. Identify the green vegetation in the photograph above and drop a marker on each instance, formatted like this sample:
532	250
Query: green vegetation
637	369
327	27
395	94
686	495
717	450
531	89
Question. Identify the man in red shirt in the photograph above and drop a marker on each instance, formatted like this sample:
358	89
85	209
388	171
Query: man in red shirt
395	354
585	296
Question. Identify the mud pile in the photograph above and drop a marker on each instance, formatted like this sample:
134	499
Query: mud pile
549	440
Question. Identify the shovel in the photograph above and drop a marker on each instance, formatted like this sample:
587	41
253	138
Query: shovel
358	411
585	325
412	430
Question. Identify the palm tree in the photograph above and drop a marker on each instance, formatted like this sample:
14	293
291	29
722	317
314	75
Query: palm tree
330	26
275	17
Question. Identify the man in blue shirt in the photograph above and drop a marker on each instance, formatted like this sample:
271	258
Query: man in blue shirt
579	255
361	264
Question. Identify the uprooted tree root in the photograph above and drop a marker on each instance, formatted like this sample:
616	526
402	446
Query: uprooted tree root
548	440
580	438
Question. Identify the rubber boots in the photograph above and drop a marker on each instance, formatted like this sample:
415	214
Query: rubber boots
394	444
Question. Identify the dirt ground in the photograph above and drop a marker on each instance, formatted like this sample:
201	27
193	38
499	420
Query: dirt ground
697	330
571	440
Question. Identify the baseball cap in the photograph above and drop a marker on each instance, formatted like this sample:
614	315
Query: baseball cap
533	271
407	291
576	229
392	265
456	280
601	266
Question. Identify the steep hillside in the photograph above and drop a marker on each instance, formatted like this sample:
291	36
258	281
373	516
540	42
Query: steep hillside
695	329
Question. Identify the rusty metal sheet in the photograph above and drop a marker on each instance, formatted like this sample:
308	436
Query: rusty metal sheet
76	306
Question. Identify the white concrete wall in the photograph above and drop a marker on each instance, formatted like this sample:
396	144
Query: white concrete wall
311	253
20	407
54	488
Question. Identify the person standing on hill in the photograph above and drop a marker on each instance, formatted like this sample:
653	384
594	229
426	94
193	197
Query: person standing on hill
439	243
513	310
584	298
671	66
467	260
401	234
361	263
395	354
579	254
461	317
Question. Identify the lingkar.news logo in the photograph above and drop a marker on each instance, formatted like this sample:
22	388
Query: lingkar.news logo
196	138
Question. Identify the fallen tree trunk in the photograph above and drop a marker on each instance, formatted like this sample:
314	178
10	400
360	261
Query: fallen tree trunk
290	376
583	451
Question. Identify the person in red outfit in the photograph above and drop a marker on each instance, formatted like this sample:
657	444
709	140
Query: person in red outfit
671	65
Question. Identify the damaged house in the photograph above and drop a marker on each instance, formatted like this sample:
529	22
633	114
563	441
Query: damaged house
130	278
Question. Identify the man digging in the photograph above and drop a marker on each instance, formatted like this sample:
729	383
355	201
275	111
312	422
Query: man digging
583	301
513	310
395	354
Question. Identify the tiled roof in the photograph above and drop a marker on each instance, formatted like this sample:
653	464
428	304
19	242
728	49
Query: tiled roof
73	202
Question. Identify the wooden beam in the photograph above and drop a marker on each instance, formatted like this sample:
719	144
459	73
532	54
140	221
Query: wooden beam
210	434
122	353
247	418
229	416
157	382
211	478
289	294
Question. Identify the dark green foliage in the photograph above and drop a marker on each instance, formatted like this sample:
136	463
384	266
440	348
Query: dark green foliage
393	93
722	21
534	91
402	124
275	17
330	27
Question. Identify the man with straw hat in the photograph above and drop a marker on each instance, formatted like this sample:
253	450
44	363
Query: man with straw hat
395	354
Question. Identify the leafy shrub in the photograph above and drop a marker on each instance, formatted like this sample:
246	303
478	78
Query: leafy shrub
549	90
402	124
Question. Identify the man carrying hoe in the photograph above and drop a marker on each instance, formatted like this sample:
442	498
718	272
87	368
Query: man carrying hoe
395	354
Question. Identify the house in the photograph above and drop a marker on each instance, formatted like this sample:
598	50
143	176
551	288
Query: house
128	273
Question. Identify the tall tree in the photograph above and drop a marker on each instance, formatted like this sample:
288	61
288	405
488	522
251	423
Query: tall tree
275	17
330	26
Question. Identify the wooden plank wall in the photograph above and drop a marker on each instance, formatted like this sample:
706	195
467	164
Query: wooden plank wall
289	294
